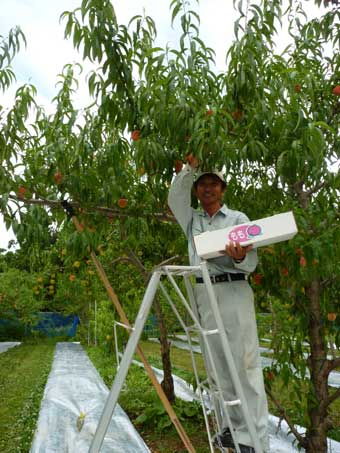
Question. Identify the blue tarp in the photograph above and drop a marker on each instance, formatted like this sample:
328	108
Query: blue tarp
55	324
48	323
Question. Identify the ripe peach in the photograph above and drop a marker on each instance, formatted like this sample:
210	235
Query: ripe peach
331	316
178	166
258	279
303	261
122	202
237	115
21	192
135	135
270	376
58	177
336	90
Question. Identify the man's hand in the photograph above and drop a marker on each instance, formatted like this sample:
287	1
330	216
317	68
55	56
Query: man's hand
236	251
192	160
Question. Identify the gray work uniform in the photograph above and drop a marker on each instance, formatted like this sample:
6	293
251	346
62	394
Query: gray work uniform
236	304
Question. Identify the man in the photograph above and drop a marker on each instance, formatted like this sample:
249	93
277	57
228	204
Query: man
233	294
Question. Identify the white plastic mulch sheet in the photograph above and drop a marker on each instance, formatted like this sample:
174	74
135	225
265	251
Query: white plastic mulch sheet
73	401
5	345
279	438
333	378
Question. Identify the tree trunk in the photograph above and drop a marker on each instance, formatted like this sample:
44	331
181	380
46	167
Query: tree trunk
316	435
167	383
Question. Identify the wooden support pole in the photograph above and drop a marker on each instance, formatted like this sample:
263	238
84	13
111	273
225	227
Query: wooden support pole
183	435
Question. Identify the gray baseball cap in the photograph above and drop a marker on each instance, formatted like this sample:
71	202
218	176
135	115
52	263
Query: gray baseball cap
217	173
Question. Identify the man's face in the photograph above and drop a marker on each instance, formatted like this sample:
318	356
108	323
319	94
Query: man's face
209	190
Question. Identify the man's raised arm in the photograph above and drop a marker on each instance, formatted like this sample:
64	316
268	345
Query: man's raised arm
179	198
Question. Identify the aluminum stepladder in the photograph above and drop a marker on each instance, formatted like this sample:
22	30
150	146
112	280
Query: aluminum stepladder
212	385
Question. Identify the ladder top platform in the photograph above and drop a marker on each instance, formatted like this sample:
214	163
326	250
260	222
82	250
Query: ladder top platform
178	270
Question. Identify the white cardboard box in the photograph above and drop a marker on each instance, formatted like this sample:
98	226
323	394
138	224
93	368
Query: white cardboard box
269	230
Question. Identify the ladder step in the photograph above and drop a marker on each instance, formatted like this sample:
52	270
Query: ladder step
233	403
205	386
210	332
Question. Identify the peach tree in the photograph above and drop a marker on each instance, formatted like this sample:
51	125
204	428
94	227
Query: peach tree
270	120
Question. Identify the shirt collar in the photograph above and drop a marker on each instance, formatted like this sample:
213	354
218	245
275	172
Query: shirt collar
223	210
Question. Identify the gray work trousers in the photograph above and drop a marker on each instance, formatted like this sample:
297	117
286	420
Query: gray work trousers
236	304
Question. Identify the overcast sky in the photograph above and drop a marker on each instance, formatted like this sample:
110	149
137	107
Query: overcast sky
47	51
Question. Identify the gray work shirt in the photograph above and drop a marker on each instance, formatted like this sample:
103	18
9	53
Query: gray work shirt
194	222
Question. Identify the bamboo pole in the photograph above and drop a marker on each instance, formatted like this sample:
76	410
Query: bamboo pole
183	435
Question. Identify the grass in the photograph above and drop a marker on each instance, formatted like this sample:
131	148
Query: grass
180	359
141	403
24	371
23	375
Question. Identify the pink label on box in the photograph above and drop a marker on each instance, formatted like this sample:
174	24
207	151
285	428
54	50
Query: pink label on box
243	233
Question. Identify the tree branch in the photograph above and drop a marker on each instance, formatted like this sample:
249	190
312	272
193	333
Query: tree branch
108	212
329	280
316	188
121	259
133	259
301	439
140	266
334	363
164	263
303	196
335	395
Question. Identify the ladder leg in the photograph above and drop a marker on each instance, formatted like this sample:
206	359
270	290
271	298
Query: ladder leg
229	358
124	364
184	326
215	401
